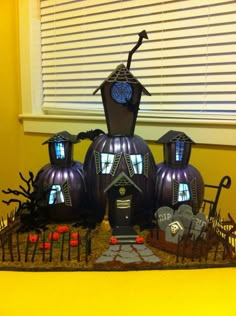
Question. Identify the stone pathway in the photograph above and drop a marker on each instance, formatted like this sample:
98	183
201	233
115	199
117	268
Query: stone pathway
126	254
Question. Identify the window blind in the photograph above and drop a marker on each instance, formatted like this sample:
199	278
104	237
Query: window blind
188	64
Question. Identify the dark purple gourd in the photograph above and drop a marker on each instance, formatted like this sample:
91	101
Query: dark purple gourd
61	182
178	182
114	162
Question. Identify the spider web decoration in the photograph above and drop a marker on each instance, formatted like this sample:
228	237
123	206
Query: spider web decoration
121	92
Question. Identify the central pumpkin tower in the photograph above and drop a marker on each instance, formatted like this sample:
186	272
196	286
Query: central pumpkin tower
119	167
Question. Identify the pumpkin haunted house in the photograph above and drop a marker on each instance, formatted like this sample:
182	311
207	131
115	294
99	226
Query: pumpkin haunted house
178	182
119	168
61	182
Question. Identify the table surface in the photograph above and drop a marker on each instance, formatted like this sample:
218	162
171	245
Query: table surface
173	292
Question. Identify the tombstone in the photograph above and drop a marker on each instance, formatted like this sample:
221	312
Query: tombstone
198	225
184	209
174	232
164	216
185	215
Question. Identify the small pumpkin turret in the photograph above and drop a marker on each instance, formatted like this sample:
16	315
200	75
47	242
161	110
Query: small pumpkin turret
177	181
61	180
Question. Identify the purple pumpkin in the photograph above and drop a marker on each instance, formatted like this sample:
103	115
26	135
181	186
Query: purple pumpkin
176	186
61	182
120	164
177	181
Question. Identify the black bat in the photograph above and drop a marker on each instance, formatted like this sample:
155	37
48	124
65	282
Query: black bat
92	134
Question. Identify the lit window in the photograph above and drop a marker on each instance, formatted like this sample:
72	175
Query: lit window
56	195
60	150
137	163
106	162
179	151
183	193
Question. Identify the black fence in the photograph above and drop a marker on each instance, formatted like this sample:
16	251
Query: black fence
46	246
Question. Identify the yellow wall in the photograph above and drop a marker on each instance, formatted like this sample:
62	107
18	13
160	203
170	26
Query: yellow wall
24	152
123	293
10	129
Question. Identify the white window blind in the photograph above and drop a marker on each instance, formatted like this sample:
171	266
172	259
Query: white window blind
188	64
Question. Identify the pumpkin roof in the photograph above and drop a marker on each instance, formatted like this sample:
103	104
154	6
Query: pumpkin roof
173	137
63	136
122	73
122	180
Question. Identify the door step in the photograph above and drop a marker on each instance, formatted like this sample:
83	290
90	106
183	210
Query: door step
124	235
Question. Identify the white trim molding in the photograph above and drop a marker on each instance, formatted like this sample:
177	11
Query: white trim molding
202	132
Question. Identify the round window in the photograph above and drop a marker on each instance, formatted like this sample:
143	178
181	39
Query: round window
121	92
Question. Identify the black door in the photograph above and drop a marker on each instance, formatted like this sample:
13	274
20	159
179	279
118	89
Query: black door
122	211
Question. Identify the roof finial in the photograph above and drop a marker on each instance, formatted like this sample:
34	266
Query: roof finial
142	35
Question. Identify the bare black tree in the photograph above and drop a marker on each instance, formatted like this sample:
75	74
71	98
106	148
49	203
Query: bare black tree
28	201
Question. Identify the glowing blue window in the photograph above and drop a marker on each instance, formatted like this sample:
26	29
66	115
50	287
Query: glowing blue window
56	195
137	163
121	92
60	150
179	151
106	162
183	193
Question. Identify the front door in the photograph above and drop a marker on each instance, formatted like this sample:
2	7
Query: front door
122	211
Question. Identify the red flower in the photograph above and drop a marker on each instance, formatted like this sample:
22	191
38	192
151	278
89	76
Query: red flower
75	235
33	238
113	240
74	242
44	245
54	236
139	240
62	229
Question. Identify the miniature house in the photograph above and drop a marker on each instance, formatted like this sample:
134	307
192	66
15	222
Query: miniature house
121	156
61	181
177	181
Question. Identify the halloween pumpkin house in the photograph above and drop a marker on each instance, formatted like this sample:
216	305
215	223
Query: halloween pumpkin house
120	181
178	182
119	165
61	182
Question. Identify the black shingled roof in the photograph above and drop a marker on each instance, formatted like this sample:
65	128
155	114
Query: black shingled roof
173	137
63	136
122	73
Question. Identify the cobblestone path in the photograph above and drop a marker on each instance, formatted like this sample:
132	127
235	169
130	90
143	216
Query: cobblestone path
126	254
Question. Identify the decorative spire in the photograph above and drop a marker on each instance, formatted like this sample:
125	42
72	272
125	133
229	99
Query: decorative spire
142	35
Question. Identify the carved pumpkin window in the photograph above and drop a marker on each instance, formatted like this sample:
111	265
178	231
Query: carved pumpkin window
60	150
179	151
106	163
56	195
137	163
183	192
